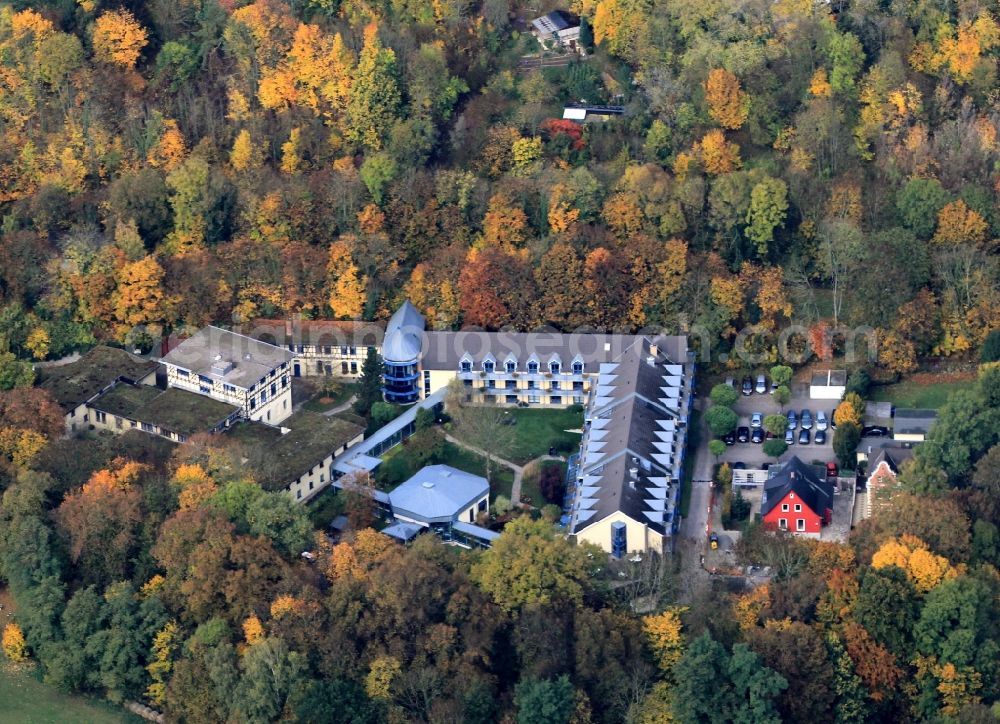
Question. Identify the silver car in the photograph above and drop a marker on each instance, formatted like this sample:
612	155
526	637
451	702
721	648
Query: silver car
761	385
821	421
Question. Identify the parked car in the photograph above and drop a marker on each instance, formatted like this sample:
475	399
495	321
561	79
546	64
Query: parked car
756	419
789	437
729	438
821	421
747	386
806	420
874	431
738	466
757	436
761	385
731	382
714	540
743	434
820	437
793	420
831	470
803	436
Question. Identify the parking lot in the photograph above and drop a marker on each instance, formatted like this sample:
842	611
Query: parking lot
752	455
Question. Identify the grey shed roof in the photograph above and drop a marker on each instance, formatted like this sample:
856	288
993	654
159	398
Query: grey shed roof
403	532
914	420
555	21
404	335
814	490
437	493
228	357
891	456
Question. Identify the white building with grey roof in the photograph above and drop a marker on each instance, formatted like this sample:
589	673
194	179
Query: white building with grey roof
233	368
629	474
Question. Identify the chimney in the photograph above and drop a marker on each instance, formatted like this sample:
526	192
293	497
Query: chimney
654	349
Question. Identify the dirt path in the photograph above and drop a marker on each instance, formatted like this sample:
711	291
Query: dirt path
342	407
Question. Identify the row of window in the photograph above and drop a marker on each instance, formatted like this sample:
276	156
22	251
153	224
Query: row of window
800	523
514	399
532	384
327	349
510	366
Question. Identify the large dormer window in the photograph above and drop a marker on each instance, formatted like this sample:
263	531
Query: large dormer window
577	367
488	366
554	367
510	366
466	365
533	366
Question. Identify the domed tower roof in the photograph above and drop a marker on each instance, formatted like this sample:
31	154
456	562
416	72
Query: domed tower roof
404	335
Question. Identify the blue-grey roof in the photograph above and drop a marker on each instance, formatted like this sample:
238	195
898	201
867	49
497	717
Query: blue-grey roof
475	531
437	493
402	531
404	335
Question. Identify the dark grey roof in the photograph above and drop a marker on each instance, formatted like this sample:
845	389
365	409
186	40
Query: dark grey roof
74	383
795	476
913	420
555	21
893	456
317	332
632	450
227	356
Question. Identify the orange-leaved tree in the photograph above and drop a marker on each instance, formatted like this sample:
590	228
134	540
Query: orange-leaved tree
727	103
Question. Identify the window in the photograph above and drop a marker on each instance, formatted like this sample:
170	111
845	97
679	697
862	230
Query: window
274	388
532	398
577	385
555	384
554	367
577	400
146	426
229	388
798	507
354	351
182	373
800	524
466	365
578	368
321	477
783	523
253	403
343	351
343	368
488	367
354	368
205	380
510	366
555	400
327	349
100	416
784	507
298	495
491	383
468	383
311	484
511	384
532	384
533	367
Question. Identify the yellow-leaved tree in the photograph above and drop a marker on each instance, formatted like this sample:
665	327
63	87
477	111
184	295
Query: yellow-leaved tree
119	38
663	631
245	155
718	155
347	285
958	224
14	645
728	105
925	568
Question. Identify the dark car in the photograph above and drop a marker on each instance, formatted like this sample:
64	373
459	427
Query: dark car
806	420
803	437
874	431
789	437
729	438
793	420
738	466
757	436
743	434
820	438
747	386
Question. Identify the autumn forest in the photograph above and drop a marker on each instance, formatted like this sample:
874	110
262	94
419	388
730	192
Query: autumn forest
167	164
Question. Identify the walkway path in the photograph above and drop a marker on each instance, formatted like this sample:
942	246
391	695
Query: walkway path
342	407
515	489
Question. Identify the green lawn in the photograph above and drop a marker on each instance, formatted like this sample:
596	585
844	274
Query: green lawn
911	394
537	430
23	700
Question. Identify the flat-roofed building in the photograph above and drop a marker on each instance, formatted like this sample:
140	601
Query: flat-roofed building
236	369
911	424
173	413
558	28
75	384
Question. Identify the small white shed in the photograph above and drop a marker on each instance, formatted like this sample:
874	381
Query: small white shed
828	385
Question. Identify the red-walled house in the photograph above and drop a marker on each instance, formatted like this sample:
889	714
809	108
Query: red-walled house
797	499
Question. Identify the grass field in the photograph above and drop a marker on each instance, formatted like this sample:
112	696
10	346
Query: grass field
537	430
913	394
23	700
321	402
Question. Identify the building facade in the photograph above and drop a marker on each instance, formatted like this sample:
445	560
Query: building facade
330	348
233	368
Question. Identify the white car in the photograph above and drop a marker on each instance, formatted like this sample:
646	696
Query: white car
756	419
821	422
761	385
